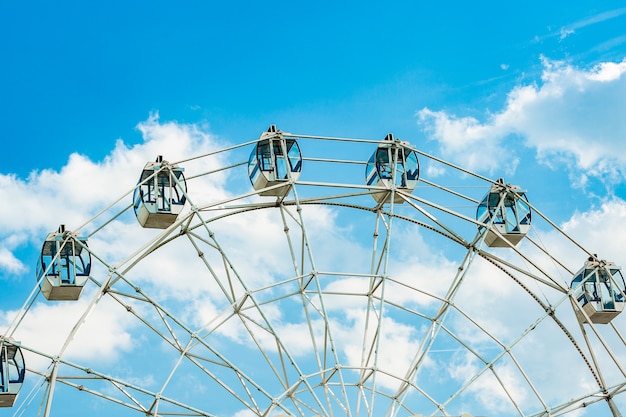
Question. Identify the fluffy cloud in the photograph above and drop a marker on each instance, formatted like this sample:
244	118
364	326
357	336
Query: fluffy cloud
9	262
594	226
47	327
574	115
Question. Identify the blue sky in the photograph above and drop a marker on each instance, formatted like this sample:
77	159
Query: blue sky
532	92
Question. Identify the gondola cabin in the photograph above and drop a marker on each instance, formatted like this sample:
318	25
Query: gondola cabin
160	194
506	212
599	291
274	163
12	371
392	165
64	265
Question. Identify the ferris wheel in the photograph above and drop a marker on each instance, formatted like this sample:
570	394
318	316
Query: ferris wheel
298	275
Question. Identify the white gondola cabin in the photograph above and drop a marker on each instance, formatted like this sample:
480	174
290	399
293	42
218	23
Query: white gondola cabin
274	161
599	291
160	194
12	371
506	212
64	265
392	164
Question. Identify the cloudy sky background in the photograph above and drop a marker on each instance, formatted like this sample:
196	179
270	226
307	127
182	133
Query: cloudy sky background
535	94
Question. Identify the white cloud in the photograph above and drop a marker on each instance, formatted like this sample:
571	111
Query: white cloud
597	18
105	335
574	114
247	413
9	262
466	141
487	388
600	230
433	170
565	32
